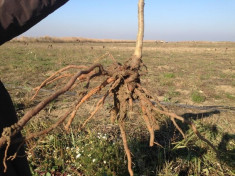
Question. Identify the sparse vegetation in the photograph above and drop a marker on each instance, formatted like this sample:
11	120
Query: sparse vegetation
197	97
100	152
21	71
229	96
169	75
76	153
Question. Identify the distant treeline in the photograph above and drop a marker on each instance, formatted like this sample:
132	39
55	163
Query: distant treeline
75	40
48	39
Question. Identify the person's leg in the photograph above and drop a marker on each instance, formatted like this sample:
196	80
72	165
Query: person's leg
19	165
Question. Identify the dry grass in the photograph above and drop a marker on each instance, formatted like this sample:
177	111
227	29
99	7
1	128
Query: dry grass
175	72
183	68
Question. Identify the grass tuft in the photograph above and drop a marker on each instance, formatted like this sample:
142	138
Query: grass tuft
197	97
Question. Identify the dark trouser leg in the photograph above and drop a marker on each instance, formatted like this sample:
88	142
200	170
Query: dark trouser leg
19	166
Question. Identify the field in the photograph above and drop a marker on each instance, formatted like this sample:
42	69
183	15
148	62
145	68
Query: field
194	79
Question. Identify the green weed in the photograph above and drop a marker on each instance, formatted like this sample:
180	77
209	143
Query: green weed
230	96
85	153
100	154
169	75
197	97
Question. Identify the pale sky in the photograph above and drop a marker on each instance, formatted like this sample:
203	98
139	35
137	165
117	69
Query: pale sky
169	20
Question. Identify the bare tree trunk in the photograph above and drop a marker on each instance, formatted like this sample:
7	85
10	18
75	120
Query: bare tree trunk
136	58
140	35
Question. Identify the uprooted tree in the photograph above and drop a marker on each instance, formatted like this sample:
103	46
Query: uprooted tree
125	88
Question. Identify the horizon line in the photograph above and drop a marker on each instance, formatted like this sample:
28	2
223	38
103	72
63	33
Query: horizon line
47	38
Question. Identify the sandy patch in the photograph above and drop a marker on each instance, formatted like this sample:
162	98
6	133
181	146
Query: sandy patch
184	92
226	88
229	71
165	67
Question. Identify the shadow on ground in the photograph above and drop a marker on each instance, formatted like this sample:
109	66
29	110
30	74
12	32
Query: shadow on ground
176	153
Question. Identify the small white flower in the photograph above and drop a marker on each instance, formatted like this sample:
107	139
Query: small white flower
93	160
104	162
104	137
78	155
78	150
89	155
